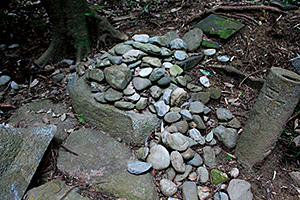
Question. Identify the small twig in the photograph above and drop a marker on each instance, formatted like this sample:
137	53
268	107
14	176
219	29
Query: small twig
249	76
65	148
148	138
66	193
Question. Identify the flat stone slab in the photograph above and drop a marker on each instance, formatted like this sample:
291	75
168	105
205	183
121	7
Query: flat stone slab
21	151
41	113
132	127
103	159
55	190
221	26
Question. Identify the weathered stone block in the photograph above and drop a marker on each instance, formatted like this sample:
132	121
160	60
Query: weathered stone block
132	127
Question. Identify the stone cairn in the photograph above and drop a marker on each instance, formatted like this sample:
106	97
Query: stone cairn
148	73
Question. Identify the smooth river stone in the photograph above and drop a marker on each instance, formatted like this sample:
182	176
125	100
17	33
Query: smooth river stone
159	157
178	142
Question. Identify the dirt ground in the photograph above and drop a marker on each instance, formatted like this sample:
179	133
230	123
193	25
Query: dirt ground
253	50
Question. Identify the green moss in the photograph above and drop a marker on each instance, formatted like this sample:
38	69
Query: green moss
223	33
218	176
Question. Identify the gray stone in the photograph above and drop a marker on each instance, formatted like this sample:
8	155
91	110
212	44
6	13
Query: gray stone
203	174
228	136
107	118
172	117
234	172
155	92
59	77
203	97
55	189
209	52
155	62
14	85
177	141
103	63
145	72
177	162
13	46
193	88
180	55
141	83
209	156
157	74
218	176
161	108
170	173
164	40
210	136
193	39
239	189
189	191
99	96
159	157
167	65
122	49
188	154
138	167
164	81
190	62
182	126
141	38
223	58
178	96
112	95
165	52
142	153
101	158
220	196
204	81
181	177
167	187
178	44
24	150
196	135
135	64
148	48
116	60
166	96
181	81
97	87
95	75
128	91
124	105
234	123
133	98
118	77
196	107
132	55
186	115
296	63
199	122
196	161
142	103
175	70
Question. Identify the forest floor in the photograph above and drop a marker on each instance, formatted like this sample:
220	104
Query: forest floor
253	50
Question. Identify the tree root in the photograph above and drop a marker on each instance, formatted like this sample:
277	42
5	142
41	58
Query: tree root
234	8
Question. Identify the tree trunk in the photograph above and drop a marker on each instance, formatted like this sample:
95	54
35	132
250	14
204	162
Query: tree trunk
77	26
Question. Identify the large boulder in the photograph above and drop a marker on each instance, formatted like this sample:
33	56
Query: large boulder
103	159
132	127
21	151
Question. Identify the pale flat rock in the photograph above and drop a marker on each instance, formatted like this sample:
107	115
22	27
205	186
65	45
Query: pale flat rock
101	158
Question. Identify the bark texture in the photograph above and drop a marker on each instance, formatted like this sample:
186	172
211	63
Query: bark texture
74	28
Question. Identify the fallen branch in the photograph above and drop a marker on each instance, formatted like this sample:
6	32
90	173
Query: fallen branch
65	148
249	76
235	8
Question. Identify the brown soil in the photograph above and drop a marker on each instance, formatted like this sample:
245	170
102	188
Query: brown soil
254	49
